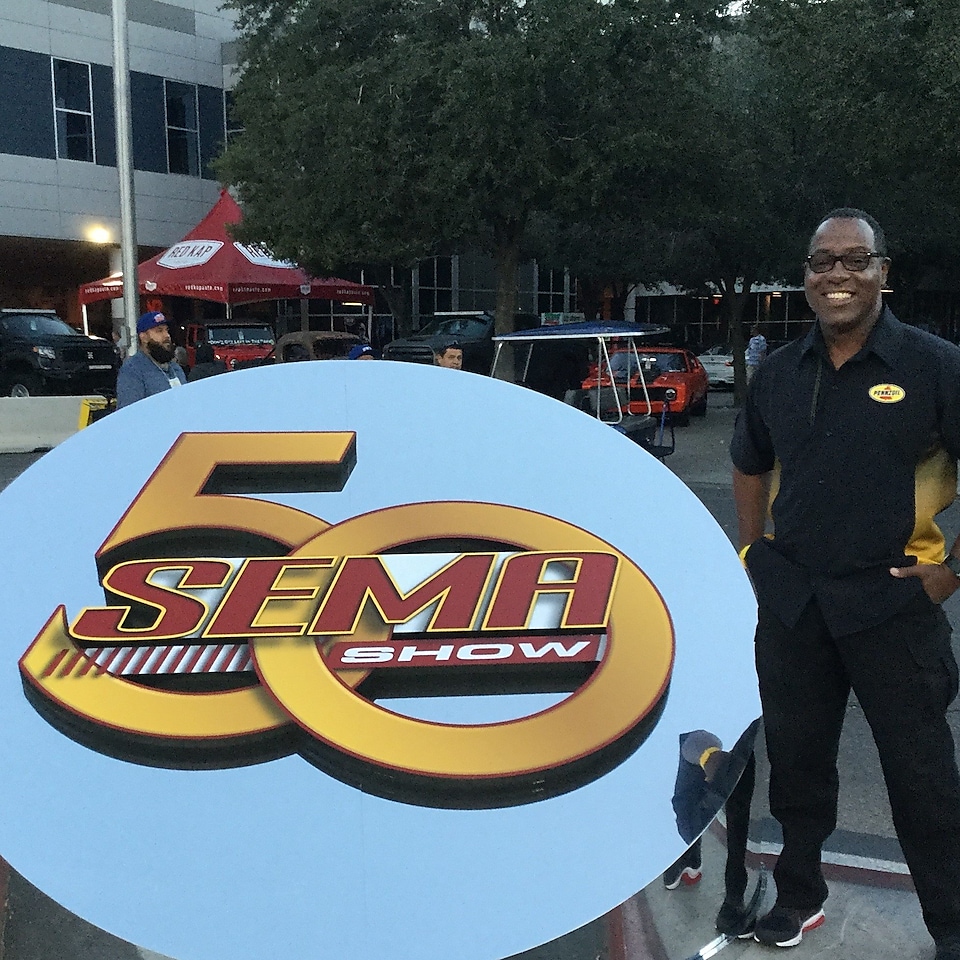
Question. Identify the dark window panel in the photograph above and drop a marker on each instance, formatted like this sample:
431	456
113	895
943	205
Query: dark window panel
181	105
182	152
525	275
444	271
211	128
426	304
26	129
149	122
104	127
71	82
75	136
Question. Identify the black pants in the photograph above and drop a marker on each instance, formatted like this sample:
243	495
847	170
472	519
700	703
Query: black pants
738	828
904	675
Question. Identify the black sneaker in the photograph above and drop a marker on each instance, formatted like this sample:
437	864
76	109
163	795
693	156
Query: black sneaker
948	948
679	873
735	920
783	927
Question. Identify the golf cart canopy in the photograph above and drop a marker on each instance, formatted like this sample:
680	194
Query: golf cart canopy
585	330
562	345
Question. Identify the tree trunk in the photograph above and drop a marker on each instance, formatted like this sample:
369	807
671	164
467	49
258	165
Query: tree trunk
396	297
507	235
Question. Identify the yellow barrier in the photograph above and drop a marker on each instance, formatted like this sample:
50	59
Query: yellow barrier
93	409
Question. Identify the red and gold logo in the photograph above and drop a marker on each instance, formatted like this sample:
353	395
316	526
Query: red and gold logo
237	630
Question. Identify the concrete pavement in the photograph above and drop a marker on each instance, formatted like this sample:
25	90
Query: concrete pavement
872	913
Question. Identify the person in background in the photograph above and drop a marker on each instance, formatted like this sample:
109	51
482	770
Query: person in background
450	356
361	351
207	364
181	356
756	351
152	368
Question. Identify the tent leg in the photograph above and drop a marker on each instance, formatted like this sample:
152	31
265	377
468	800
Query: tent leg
229	311
86	325
370	323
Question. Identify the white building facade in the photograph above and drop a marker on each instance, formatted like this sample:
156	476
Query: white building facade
59	191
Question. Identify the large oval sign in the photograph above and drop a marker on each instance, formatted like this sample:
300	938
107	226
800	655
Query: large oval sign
357	659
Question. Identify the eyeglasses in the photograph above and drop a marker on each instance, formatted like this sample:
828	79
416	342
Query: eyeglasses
854	262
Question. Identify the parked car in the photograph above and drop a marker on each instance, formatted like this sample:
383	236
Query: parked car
305	345
718	362
234	341
473	330
40	354
666	375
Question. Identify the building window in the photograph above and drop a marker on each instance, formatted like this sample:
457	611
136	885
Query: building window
73	110
232	126
435	286
553	294
183	133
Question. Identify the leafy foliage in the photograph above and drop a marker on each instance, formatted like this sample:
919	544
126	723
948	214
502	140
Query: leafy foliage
383	131
631	140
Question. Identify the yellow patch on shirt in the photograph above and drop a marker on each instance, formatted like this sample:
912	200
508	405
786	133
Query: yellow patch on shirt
887	393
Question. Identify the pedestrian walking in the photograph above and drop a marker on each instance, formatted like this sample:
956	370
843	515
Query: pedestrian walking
756	351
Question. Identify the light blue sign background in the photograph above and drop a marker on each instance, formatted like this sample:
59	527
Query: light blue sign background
279	859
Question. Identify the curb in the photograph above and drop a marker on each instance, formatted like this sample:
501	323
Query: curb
837	865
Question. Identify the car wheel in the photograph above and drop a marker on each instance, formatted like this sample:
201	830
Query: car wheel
700	409
23	385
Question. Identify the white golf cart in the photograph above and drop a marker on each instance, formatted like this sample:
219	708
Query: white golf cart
577	363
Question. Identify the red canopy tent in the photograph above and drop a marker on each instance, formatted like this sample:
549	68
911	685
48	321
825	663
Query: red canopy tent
208	265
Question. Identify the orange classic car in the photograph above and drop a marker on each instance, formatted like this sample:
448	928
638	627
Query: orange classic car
665	375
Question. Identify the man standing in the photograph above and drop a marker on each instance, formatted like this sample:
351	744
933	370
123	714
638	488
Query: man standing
861	418
450	356
756	351
151	370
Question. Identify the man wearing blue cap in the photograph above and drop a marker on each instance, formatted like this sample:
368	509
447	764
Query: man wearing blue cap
153	369
361	351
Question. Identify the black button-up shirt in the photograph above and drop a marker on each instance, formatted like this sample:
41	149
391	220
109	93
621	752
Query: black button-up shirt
864	457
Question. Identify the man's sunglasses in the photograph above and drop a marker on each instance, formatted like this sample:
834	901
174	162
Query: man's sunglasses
854	262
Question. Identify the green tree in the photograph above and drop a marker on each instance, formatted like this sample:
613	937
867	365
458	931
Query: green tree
871	112
741	191
384	131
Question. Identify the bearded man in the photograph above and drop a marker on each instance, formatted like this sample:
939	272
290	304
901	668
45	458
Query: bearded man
152	369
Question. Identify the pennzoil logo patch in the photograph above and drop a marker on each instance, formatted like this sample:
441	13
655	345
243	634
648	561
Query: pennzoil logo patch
237	630
887	393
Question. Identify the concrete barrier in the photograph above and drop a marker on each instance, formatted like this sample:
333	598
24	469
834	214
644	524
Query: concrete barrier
38	423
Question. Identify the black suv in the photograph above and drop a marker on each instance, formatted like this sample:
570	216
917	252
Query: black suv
40	354
472	330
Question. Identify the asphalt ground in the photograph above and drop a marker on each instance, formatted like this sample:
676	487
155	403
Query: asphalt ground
872	913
